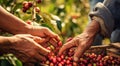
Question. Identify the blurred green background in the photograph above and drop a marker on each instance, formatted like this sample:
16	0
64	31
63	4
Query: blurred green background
67	18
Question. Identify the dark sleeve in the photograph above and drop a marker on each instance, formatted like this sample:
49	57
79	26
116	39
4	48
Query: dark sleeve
104	11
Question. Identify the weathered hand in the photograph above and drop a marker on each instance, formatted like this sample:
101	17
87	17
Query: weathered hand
82	42
46	34
26	49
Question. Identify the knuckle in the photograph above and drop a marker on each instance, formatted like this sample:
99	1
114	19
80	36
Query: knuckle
65	45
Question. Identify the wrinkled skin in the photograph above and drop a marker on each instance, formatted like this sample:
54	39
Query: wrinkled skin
26	49
46	34
82	41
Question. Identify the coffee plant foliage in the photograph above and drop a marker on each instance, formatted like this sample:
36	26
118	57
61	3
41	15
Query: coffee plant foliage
67	18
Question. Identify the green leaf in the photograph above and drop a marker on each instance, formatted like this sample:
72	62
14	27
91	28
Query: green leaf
38	18
1	1
9	60
18	63
18	14
5	63
16	6
59	25
8	3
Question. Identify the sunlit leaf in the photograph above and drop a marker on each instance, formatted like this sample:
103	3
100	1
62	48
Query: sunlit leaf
18	63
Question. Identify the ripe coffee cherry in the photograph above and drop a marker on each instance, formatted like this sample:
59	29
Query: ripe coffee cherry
89	64
59	43
54	60
69	39
29	22
51	64
59	59
75	64
99	58
38	1
62	56
68	62
87	59
37	9
30	4
60	64
48	48
24	10
51	58
26	6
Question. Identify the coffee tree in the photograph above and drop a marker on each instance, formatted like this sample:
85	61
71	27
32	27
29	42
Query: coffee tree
67	18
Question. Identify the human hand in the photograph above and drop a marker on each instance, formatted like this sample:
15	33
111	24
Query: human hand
82	42
26	49
46	34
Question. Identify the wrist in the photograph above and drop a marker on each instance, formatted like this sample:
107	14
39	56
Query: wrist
30	30
25	30
92	29
35	30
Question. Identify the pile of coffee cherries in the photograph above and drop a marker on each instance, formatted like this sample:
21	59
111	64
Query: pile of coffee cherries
88	59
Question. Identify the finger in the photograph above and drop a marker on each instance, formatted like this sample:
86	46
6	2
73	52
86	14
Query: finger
39	57
40	48
78	53
40	40
25	35
45	45
53	42
43	51
66	46
53	35
24	58
57	37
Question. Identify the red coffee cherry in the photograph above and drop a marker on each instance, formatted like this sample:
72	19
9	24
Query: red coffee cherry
30	4
38	1
37	9
29	22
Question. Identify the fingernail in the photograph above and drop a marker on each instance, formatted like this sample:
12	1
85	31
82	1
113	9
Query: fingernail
75	58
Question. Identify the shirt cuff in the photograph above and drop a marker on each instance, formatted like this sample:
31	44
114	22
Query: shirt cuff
102	15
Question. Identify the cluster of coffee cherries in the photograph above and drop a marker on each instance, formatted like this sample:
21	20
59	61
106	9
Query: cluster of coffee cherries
28	4
88	59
